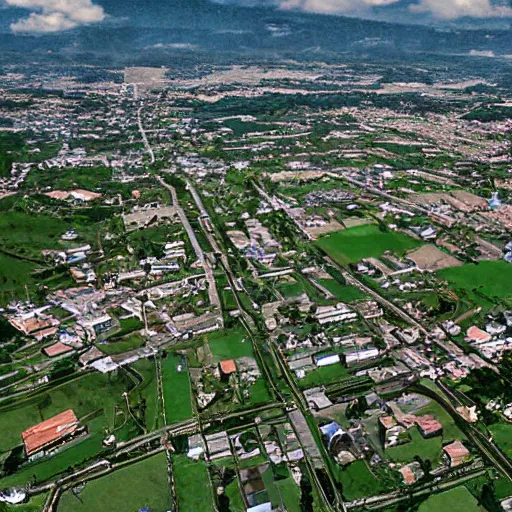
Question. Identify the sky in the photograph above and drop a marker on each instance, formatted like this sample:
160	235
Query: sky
53	16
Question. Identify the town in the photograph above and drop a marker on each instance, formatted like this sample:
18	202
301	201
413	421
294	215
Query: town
282	286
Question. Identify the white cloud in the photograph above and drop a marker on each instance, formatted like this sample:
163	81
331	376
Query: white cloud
452	9
56	15
441	9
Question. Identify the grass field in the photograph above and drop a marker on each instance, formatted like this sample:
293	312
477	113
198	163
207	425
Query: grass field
89	393
353	244
14	276
290	290
359	482
236	503
345	293
192	485
176	388
454	500
143	484
489	278
148	392
68	179
324	375
430	449
502	436
120	345
230	344
78	452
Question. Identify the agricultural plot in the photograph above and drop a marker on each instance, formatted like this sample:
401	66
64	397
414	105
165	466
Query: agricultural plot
147	393
193	487
455	500
359	482
344	293
502	436
323	376
140	485
230	344
487	282
176	389
351	245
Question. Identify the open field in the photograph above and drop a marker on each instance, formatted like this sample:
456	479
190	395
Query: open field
192	485
143	484
89	393
344	293
68	179
14	276
176	388
147	392
430	449
353	244
323	376
359	482
502	436
489	278
120	345
454	500
230	344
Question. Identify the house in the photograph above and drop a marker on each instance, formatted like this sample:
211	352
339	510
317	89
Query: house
456	454
411	473
429	426
227	367
476	335
46	435
57	349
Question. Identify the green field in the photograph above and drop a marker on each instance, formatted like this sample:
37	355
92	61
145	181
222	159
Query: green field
230	344
176	386
120	345
76	453
430	449
359	482
147	393
353	244
489	278
454	500
502	436
193	488
89	393
69	179
344	293
14	276
143	484
323	376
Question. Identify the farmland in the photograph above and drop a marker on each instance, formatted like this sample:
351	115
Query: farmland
353	244
192	485
143	484
176	387
455	500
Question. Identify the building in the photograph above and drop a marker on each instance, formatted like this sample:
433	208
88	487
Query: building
327	359
45	436
227	367
429	426
456	454
411	473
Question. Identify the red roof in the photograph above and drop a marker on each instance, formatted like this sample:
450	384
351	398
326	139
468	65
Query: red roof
56	349
457	452
228	366
477	335
49	431
428	424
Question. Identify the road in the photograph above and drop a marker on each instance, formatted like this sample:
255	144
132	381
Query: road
212	286
147	145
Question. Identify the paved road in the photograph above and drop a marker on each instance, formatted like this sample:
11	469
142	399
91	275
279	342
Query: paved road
145	137
212	286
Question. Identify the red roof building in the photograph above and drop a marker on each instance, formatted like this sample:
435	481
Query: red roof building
57	349
228	367
428	425
457	453
49	432
477	335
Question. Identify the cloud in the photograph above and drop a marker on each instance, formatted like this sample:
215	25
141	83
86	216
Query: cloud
452	9
55	15
439	9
